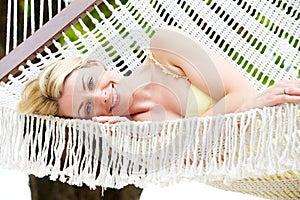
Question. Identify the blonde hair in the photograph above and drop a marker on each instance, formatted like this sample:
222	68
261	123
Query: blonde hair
40	94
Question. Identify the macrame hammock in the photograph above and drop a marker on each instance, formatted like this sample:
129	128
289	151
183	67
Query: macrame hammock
256	152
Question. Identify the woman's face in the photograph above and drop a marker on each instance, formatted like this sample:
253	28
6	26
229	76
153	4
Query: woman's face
92	91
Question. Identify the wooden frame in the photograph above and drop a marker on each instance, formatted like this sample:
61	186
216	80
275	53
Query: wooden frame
44	36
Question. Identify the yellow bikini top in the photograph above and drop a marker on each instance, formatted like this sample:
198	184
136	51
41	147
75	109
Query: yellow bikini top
198	102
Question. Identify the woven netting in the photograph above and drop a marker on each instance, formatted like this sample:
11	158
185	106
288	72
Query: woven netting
256	152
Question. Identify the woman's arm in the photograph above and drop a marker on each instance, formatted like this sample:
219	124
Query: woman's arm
205	69
286	91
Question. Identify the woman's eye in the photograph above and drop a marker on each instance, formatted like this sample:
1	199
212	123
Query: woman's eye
91	83
88	108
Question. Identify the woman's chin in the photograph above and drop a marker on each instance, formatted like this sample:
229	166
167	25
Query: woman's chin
120	113
124	100
121	109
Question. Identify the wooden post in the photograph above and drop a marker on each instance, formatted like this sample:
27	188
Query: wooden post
44	36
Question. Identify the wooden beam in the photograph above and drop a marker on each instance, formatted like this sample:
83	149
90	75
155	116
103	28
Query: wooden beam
44	36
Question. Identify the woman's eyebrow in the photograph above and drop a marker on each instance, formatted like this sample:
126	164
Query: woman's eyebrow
83	86
79	108
83	82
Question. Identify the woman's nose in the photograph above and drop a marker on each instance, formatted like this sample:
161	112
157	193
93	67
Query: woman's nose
101	98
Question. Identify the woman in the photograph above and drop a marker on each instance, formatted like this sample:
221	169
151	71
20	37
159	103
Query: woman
179	78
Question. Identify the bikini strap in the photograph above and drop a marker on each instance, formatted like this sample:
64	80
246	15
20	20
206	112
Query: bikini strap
164	69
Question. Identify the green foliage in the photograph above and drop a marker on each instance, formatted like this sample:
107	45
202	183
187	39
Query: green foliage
71	32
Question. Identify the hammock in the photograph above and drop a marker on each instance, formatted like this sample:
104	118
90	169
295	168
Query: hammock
256	152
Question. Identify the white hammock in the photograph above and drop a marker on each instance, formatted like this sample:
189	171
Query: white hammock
256	152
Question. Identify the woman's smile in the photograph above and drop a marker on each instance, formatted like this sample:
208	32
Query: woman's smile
115	98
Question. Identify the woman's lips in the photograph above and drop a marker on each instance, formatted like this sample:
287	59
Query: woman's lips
115	98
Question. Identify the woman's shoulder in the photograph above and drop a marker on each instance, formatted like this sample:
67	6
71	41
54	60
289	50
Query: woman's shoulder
166	67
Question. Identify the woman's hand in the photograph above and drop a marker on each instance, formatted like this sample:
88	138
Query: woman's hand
287	91
109	119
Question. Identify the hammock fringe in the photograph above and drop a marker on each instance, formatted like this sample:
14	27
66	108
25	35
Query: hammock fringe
223	148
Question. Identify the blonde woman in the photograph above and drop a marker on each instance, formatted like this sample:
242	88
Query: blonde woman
178	79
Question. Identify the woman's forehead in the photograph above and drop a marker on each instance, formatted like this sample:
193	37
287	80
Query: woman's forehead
90	68
90	63
87	70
